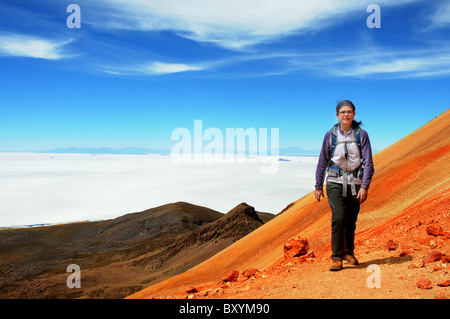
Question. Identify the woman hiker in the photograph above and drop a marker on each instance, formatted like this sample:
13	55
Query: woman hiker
346	158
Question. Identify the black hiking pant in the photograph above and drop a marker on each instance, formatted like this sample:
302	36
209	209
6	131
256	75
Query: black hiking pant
344	213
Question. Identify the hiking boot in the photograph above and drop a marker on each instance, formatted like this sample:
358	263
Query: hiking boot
336	265
351	259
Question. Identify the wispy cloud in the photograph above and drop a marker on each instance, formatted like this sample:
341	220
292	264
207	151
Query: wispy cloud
165	68
397	65
243	25
232	24
369	63
150	68
19	45
375	63
154	68
440	18
240	26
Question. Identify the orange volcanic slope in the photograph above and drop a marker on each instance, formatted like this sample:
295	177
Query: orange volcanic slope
406	174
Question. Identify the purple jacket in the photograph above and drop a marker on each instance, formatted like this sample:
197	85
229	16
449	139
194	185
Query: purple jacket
324	158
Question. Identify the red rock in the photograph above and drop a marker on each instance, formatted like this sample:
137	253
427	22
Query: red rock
404	253
446	258
224	285
432	257
444	283
406	247
440	242
426	240
424	283
191	289
251	272
311	255
437	267
295	247
435	230
231	277
391	245
417	264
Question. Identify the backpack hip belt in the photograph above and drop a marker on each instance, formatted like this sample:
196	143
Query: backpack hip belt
348	177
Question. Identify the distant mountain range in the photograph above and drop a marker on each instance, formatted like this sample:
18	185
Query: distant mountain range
297	151
107	150
142	151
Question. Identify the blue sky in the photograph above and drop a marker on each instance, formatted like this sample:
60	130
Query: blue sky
137	70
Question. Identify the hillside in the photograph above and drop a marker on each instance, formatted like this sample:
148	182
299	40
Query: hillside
139	248
409	194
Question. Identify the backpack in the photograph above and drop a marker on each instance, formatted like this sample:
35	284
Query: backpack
335	171
333	139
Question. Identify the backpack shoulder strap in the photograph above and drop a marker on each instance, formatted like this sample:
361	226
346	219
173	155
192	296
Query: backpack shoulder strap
358	139
333	139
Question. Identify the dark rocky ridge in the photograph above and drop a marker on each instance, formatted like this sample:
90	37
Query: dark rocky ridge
144	247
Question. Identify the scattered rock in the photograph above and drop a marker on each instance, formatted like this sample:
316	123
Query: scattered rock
446	258
406	247
437	267
435	230
404	253
444	283
251	272
391	245
231	277
191	290
432	257
310	258
424	283
219	291
426	240
295	247
417	263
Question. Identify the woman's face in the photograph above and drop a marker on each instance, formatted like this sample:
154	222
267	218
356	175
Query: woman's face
346	115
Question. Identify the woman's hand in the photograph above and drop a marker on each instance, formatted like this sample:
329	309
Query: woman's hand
362	195
319	193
